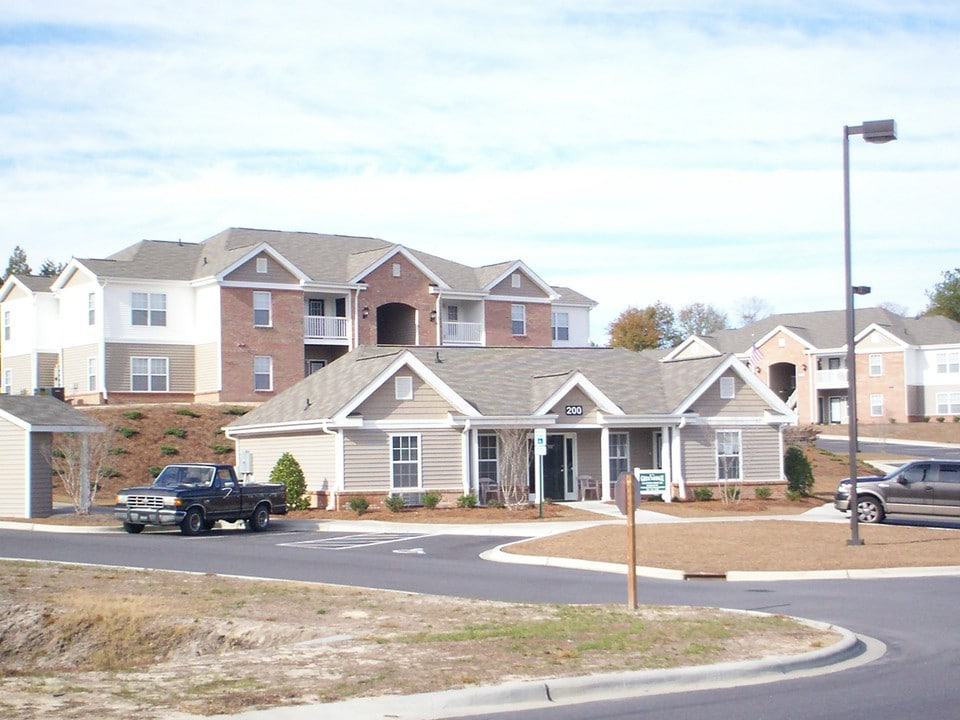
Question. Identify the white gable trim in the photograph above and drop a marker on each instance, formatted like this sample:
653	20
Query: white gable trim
73	267
578	379
873	327
407	359
537	280
269	250
732	363
680	349
401	250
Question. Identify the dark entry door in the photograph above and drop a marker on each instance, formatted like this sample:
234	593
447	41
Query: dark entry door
555	466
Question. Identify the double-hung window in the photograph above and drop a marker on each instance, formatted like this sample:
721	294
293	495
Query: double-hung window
91	309
149	374
91	374
8	381
487	456
148	309
6	324
404	462
262	373
948	403
518	319
876	365
560	322
619	454
948	362
876	405
728	454
261	309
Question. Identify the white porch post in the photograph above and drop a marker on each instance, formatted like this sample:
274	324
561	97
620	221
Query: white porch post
605	463
676	467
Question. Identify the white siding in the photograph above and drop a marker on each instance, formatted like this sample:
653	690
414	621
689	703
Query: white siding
579	326
13	482
181	318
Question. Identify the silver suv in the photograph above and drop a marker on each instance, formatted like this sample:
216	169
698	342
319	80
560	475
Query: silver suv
920	487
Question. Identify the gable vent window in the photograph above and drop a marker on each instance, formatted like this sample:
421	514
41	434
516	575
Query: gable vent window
262	266
727	391
403	385
515	280
396	269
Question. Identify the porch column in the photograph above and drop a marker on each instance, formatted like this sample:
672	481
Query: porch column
605	463
676	467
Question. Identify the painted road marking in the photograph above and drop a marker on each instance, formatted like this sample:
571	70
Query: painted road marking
348	542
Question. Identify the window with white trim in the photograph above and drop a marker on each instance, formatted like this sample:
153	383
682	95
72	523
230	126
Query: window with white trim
148	309
91	374
404	462
7	381
876	405
262	373
261	309
453	313
619	454
948	362
396	270
488	456
262	265
149	374
6	324
948	403
403	387
729	450
560	325
91	309
876	365
727	388
518	319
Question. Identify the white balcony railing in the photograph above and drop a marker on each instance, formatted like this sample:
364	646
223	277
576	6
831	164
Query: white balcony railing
325	327
827	379
463	332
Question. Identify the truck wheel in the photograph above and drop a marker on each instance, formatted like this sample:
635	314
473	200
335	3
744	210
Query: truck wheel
133	528
260	518
208	524
192	523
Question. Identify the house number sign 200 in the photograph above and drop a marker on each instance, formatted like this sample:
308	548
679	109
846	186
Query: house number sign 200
574	410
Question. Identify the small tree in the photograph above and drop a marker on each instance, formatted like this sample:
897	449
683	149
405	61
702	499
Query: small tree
798	471
514	464
288	471
78	460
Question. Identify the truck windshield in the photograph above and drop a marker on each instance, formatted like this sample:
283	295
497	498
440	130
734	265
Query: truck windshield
184	476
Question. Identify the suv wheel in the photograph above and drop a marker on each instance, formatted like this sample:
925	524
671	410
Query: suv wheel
869	509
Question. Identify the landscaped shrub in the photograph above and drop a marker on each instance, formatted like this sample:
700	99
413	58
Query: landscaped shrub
288	471
168	450
221	449
187	412
702	494
132	414
731	493
431	499
762	493
154	470
359	505
467	501
797	469
394	503
108	472
127	432
175	432
117	451
236	411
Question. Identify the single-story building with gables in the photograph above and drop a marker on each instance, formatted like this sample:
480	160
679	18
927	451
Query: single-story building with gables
408	420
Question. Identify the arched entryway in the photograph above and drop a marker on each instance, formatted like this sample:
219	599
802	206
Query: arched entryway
396	324
783	381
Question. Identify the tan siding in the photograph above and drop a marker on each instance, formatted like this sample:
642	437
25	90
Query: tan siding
276	273
527	288
20	373
426	403
588	453
12	482
206	362
744	403
315	452
760	453
575	397
180	365
40	485
46	368
440	464
641	449
75	367
367	460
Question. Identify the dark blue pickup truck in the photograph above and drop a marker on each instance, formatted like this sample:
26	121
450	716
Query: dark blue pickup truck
195	496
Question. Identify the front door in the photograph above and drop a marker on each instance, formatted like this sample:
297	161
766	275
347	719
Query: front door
558	468
836	410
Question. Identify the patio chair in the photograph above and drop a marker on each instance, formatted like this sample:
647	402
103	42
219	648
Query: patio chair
489	487
588	484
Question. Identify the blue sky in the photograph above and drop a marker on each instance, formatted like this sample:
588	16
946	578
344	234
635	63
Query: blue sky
637	151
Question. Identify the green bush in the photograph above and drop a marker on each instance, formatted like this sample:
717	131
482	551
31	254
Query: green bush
394	503
359	505
132	414
762	493
221	449
236	411
731	493
175	432
187	412
702	494
431	499
288	471
467	501
127	432
117	451
792	495
154	470
108	472
168	450
798	471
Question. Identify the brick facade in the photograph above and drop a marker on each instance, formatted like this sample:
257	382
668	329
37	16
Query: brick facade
498	325
410	288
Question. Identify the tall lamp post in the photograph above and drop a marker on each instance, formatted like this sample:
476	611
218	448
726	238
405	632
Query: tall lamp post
873	131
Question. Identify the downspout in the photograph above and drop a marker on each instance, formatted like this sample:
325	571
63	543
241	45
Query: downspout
676	459
338	455
467	457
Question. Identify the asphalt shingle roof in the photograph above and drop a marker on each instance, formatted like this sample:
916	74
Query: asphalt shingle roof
43	411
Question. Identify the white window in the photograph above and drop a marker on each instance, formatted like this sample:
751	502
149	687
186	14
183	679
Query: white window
876	365
518	319
488	456
6	324
396	269
948	403
261	309
262	373
262	266
149	374
728	455
515	280
727	388
91	309
876	405
91	374
404	461
148	309
7	381
453	313
948	362
619	454
560	325
403	387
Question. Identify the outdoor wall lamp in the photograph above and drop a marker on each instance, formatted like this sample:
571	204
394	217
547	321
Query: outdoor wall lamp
433	316
364	313
873	131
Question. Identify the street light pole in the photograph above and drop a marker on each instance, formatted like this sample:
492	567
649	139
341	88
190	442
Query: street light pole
874	131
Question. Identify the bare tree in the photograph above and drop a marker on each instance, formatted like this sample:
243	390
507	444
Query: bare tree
750	309
514	466
77	459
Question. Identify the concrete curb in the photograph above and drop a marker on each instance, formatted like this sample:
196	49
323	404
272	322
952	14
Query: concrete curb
523	695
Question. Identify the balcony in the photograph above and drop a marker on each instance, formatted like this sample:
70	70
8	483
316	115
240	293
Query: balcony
831	379
463	333
324	327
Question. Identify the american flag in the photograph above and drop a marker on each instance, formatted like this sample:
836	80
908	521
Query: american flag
755	355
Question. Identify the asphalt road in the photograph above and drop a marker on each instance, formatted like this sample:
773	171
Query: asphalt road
842	446
915	618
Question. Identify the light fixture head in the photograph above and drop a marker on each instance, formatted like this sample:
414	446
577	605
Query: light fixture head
879	131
